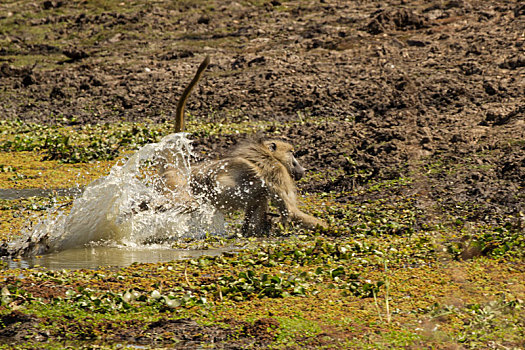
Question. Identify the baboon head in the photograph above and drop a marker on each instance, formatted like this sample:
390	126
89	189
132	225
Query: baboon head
284	153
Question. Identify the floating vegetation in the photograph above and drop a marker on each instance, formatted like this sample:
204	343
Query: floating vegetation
87	143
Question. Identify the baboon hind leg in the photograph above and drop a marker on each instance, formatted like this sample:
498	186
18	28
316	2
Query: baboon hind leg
256	221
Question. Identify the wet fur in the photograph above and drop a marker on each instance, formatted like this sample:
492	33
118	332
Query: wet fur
254	175
251	177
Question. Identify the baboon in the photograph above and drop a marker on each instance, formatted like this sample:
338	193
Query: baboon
251	177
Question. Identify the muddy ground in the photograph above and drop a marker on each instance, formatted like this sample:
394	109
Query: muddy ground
433	91
182	333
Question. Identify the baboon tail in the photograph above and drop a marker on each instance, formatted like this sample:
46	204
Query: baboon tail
179	115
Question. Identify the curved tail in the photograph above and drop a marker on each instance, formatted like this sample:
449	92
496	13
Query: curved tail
179	114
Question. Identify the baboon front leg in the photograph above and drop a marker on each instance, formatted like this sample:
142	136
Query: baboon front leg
256	222
289	212
305	220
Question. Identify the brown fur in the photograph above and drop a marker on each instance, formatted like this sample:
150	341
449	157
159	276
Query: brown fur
179	114
252	176
167	161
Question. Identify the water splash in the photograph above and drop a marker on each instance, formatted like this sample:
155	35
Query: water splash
129	207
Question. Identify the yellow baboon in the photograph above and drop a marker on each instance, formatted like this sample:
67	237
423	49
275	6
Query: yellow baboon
251	177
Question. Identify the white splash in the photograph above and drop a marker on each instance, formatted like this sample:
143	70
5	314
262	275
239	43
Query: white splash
126	207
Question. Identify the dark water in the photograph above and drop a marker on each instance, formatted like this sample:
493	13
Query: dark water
106	210
95	257
98	256
9	193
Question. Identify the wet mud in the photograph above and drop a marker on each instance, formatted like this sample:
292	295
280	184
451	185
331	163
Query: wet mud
183	333
429	90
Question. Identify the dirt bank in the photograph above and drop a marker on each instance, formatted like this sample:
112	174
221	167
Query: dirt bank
433	91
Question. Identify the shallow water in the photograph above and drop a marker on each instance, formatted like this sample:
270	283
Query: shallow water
130	207
11	193
104	256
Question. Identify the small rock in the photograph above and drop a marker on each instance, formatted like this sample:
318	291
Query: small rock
75	54
417	43
489	89
29	79
203	20
56	93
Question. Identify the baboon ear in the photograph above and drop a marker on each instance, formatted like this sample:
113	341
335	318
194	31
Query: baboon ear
272	146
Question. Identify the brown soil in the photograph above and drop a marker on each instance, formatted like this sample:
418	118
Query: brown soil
181	333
